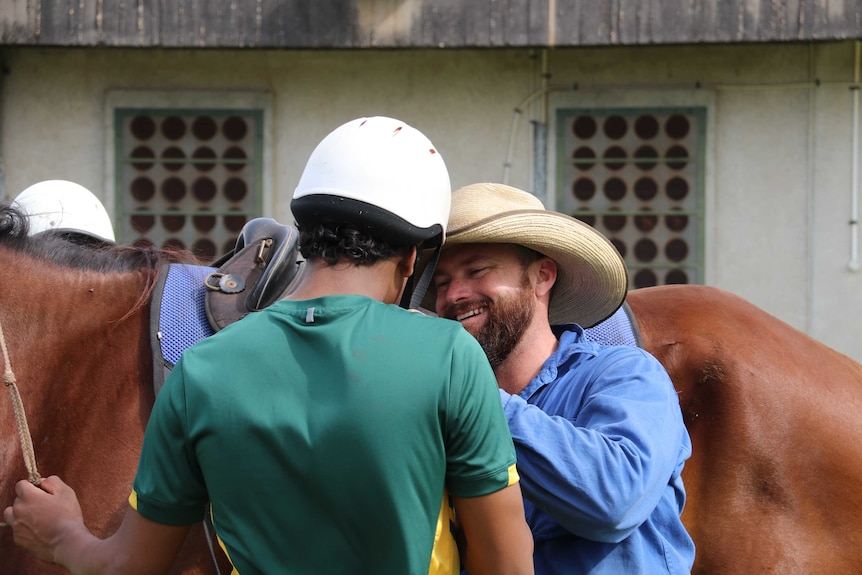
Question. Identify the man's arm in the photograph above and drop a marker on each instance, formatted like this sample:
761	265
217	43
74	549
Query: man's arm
497	540
47	522
627	438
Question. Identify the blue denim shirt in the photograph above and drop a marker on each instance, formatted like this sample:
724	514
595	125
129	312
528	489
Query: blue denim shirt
601	444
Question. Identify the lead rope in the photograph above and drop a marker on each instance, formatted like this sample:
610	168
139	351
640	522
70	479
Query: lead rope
20	418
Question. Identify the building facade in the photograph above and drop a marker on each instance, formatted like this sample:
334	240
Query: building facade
714	143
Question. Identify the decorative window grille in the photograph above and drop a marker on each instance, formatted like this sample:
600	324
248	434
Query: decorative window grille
637	176
187	178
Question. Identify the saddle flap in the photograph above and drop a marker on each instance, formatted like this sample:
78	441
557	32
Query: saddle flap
255	275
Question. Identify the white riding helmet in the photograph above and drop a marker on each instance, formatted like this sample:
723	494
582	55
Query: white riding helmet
381	175
64	207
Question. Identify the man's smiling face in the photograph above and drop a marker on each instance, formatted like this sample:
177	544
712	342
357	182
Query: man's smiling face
487	289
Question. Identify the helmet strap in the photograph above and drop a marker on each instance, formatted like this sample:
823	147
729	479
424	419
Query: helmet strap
414	294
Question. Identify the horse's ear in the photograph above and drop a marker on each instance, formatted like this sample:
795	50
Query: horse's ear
255	274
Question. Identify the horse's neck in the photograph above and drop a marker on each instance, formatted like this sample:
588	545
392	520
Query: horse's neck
74	347
62	310
79	349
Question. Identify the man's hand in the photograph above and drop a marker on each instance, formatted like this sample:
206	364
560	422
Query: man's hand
41	516
47	522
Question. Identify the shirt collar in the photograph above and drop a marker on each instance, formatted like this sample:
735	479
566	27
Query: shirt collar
572	341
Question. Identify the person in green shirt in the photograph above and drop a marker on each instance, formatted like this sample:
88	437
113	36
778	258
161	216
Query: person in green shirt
333	432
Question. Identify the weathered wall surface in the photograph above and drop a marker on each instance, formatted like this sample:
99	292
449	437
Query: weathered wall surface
779	191
421	23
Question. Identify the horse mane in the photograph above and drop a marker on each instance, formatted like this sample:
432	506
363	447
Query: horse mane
102	258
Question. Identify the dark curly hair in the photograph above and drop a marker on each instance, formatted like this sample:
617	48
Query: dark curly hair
339	242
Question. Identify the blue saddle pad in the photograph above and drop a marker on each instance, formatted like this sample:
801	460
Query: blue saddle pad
619	329
182	318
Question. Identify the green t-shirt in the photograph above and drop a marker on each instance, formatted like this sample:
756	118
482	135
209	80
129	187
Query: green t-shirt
326	433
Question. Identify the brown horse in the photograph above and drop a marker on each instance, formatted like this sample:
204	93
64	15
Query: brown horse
775	479
775	417
76	325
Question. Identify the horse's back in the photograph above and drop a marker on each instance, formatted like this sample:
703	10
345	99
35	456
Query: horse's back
775	480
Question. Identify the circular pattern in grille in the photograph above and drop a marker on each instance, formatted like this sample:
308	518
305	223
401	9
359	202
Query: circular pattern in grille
632	175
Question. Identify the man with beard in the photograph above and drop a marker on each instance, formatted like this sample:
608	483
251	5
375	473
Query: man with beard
598	430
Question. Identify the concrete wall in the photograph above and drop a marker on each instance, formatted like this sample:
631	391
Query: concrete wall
779	135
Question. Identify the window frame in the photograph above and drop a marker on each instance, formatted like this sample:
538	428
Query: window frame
608	100
169	103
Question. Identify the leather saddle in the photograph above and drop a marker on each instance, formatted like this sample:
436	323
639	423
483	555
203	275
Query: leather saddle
190	303
262	267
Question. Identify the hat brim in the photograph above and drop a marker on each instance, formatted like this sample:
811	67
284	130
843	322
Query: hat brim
591	275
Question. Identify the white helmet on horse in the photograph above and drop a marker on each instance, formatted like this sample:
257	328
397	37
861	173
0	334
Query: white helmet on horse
65	208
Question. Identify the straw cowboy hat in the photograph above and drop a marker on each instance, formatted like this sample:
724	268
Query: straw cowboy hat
591	275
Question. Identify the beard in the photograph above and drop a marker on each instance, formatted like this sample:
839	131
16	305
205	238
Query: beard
506	320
